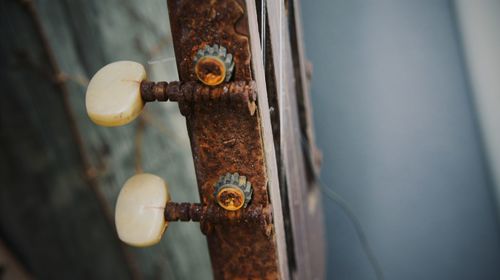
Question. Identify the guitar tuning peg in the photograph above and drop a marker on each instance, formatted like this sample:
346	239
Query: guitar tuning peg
116	94
113	95
144	210
139	213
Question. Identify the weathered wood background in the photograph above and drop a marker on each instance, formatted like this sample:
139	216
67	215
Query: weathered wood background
59	173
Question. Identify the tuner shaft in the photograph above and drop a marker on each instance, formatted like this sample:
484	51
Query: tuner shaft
214	214
195	91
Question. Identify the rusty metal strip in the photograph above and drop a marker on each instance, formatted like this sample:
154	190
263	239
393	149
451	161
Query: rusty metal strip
225	137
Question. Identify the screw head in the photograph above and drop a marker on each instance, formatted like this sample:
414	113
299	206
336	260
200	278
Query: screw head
213	65
210	70
232	192
230	198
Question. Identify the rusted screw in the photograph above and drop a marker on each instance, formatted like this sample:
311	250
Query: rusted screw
233	191
213	65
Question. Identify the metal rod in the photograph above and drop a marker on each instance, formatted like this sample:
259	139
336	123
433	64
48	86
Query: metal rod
194	91
214	214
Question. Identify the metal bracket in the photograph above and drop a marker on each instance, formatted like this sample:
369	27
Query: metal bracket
223	139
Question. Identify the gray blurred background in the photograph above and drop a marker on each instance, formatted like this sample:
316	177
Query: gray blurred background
403	142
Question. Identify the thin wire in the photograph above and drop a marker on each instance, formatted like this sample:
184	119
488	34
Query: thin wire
281	91
161	60
372	258
263	23
139	135
358	228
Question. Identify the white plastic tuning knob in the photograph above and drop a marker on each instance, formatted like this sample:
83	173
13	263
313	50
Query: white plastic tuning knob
139	213
113	96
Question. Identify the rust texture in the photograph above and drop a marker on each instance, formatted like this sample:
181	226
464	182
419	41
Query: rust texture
193	91
225	137
198	212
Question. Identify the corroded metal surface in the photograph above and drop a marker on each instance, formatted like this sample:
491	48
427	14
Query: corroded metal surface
192	91
225	137
197	212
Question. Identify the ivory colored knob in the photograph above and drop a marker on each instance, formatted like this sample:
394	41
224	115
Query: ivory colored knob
113	96
139	213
